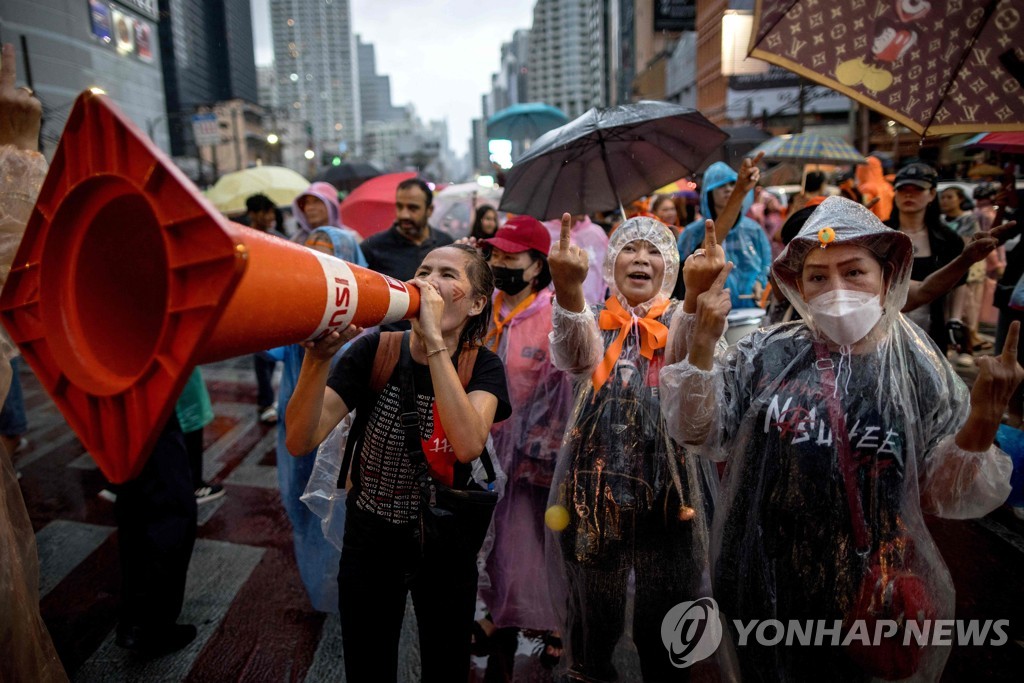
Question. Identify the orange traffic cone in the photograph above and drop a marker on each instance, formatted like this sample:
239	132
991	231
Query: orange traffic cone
127	278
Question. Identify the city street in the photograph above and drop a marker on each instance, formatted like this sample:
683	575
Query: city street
244	592
543	188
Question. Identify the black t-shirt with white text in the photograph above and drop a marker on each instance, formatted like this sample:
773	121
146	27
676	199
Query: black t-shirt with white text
384	481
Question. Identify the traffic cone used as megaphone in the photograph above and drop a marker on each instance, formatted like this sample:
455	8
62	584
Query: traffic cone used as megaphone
127	278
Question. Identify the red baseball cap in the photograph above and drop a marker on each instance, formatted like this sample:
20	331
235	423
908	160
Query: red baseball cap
521	234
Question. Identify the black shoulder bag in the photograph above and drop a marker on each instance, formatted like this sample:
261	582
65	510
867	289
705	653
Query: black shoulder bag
455	515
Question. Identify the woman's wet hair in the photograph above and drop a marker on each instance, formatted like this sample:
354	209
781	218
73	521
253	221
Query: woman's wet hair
479	274
932	215
543	278
791	228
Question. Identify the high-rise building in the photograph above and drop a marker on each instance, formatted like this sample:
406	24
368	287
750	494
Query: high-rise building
515	68
207	52
374	89
266	86
244	128
479	158
73	45
567	63
408	144
317	76
681	71
656	29
509	85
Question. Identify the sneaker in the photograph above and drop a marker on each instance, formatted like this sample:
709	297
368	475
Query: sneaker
269	415
965	360
208	492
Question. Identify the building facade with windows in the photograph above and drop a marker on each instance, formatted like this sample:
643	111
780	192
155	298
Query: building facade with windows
316	65
73	45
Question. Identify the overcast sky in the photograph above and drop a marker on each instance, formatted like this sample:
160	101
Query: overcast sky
440	55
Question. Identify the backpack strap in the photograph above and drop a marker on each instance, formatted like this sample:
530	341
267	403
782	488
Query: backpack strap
467	361
384	361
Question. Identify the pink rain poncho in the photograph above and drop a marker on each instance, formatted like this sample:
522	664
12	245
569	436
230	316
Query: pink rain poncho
789	519
514	586
635	502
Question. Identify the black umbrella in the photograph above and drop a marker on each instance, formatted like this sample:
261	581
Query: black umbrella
607	156
347	177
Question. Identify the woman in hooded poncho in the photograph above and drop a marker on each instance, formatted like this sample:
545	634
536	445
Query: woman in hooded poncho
624	497
838	431
746	244
316	557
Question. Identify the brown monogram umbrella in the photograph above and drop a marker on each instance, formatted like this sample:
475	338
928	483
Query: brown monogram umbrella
936	66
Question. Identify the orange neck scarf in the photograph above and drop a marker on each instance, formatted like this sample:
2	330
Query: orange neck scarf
499	322
653	335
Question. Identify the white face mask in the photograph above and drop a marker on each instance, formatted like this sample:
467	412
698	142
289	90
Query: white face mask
845	316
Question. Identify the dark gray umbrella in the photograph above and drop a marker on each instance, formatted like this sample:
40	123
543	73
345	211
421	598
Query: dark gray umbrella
608	156
347	177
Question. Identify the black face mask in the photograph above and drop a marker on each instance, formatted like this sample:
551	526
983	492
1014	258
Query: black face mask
509	280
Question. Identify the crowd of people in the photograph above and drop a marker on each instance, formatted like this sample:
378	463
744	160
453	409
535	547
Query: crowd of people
542	444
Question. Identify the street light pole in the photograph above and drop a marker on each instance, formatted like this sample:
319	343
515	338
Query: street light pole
238	144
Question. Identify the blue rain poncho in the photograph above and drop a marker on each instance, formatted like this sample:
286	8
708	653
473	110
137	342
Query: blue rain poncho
746	244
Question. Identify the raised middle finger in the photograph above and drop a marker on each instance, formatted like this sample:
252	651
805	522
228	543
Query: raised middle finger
1010	345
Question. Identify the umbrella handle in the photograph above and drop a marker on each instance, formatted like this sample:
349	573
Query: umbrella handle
608	173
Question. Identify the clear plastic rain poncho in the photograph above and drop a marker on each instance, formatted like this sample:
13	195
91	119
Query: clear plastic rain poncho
783	538
746	243
513	583
26	651
635	502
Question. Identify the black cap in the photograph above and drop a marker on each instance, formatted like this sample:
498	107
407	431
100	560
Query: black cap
842	176
922	175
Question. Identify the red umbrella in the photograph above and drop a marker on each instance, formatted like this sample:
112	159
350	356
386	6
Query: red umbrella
370	208
1011	143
